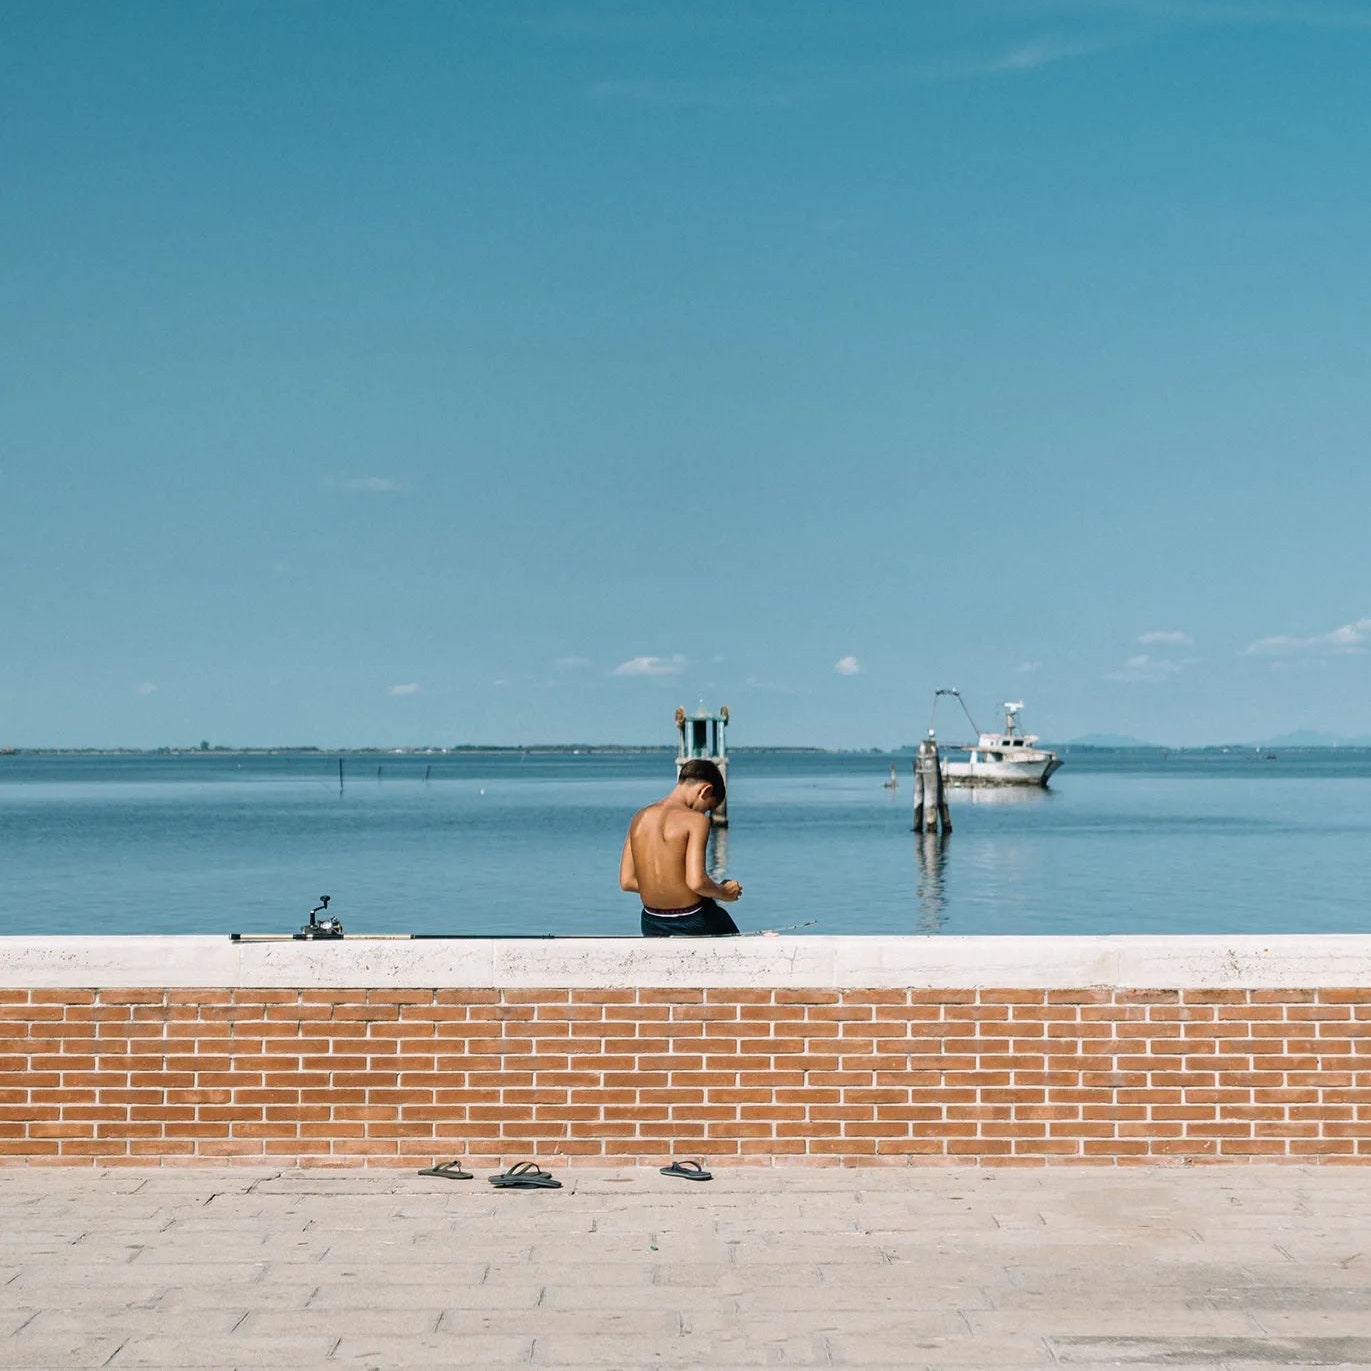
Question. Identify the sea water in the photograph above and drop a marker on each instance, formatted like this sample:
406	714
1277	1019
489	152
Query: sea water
510	843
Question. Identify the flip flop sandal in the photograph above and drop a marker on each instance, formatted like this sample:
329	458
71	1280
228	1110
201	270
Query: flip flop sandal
449	1171
688	1171
525	1176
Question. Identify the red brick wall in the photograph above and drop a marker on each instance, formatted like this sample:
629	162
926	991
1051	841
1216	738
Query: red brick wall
400	1077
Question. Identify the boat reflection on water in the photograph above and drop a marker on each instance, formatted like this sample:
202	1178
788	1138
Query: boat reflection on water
930	850
1000	795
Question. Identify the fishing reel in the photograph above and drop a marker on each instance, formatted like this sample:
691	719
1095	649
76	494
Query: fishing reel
321	928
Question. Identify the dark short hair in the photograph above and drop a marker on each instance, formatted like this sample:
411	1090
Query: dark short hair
701	769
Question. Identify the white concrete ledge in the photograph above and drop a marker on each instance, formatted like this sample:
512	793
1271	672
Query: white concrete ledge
920	962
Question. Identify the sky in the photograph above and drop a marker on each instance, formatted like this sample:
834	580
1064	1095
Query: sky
432	373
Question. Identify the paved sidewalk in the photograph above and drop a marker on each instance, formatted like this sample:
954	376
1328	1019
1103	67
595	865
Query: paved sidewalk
1240	1267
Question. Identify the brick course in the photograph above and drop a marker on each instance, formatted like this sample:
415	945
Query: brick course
386	1077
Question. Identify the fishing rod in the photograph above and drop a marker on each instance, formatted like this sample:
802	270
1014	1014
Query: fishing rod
771	932
407	937
485	937
331	930
321	928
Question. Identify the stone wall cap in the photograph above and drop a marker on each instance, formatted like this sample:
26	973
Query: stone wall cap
918	961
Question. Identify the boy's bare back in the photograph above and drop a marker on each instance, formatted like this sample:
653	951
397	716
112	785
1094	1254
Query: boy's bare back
661	838
664	853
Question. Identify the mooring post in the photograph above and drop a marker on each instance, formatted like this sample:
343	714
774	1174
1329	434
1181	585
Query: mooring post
930	804
705	735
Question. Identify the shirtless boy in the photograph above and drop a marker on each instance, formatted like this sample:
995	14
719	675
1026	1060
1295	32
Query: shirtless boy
664	859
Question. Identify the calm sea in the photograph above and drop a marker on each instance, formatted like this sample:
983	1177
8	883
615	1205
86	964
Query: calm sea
1123	842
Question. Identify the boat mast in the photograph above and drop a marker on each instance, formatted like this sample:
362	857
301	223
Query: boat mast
960	701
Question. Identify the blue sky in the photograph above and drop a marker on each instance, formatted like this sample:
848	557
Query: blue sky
425	373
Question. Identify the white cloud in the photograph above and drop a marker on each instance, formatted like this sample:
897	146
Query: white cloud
571	663
1304	13
146	688
776	687
1044	52
1299	665
1027	668
1030	56
412	688
847	666
650	666
365	485
1129	23
785	90
1165	637
648	91
1350	638
1144	668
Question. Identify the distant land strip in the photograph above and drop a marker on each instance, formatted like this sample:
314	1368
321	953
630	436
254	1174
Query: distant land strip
1324	743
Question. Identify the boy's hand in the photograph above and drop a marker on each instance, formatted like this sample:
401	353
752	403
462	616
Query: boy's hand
731	891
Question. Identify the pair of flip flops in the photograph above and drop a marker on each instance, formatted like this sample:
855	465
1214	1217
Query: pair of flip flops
521	1176
529	1176
525	1176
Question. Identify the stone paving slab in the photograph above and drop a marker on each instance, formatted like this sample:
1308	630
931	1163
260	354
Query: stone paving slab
1161	1351
900	1267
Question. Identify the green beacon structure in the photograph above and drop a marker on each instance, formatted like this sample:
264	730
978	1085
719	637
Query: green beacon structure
705	735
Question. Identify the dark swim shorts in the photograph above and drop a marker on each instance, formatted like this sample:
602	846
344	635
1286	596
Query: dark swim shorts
704	920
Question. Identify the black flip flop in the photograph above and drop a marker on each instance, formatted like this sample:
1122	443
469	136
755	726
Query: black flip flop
525	1176
688	1171
449	1171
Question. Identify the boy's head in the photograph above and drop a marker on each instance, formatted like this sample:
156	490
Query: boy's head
699	769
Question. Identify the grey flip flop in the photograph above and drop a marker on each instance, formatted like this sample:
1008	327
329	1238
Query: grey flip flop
449	1171
688	1171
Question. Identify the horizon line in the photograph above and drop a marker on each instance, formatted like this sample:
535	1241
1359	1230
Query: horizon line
421	750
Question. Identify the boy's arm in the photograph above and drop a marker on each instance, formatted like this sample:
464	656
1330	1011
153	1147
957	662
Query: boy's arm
628	873
697	839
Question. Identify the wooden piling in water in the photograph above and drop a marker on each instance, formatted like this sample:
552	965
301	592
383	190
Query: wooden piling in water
930	803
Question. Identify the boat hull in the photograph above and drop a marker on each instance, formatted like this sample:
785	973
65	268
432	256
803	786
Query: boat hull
1021	772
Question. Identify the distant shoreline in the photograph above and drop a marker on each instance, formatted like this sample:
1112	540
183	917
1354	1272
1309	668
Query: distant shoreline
465	750
634	749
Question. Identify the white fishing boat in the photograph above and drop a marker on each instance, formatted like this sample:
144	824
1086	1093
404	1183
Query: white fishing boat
1010	757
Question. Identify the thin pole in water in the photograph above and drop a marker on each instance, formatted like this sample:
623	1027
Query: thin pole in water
930	802
340	775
